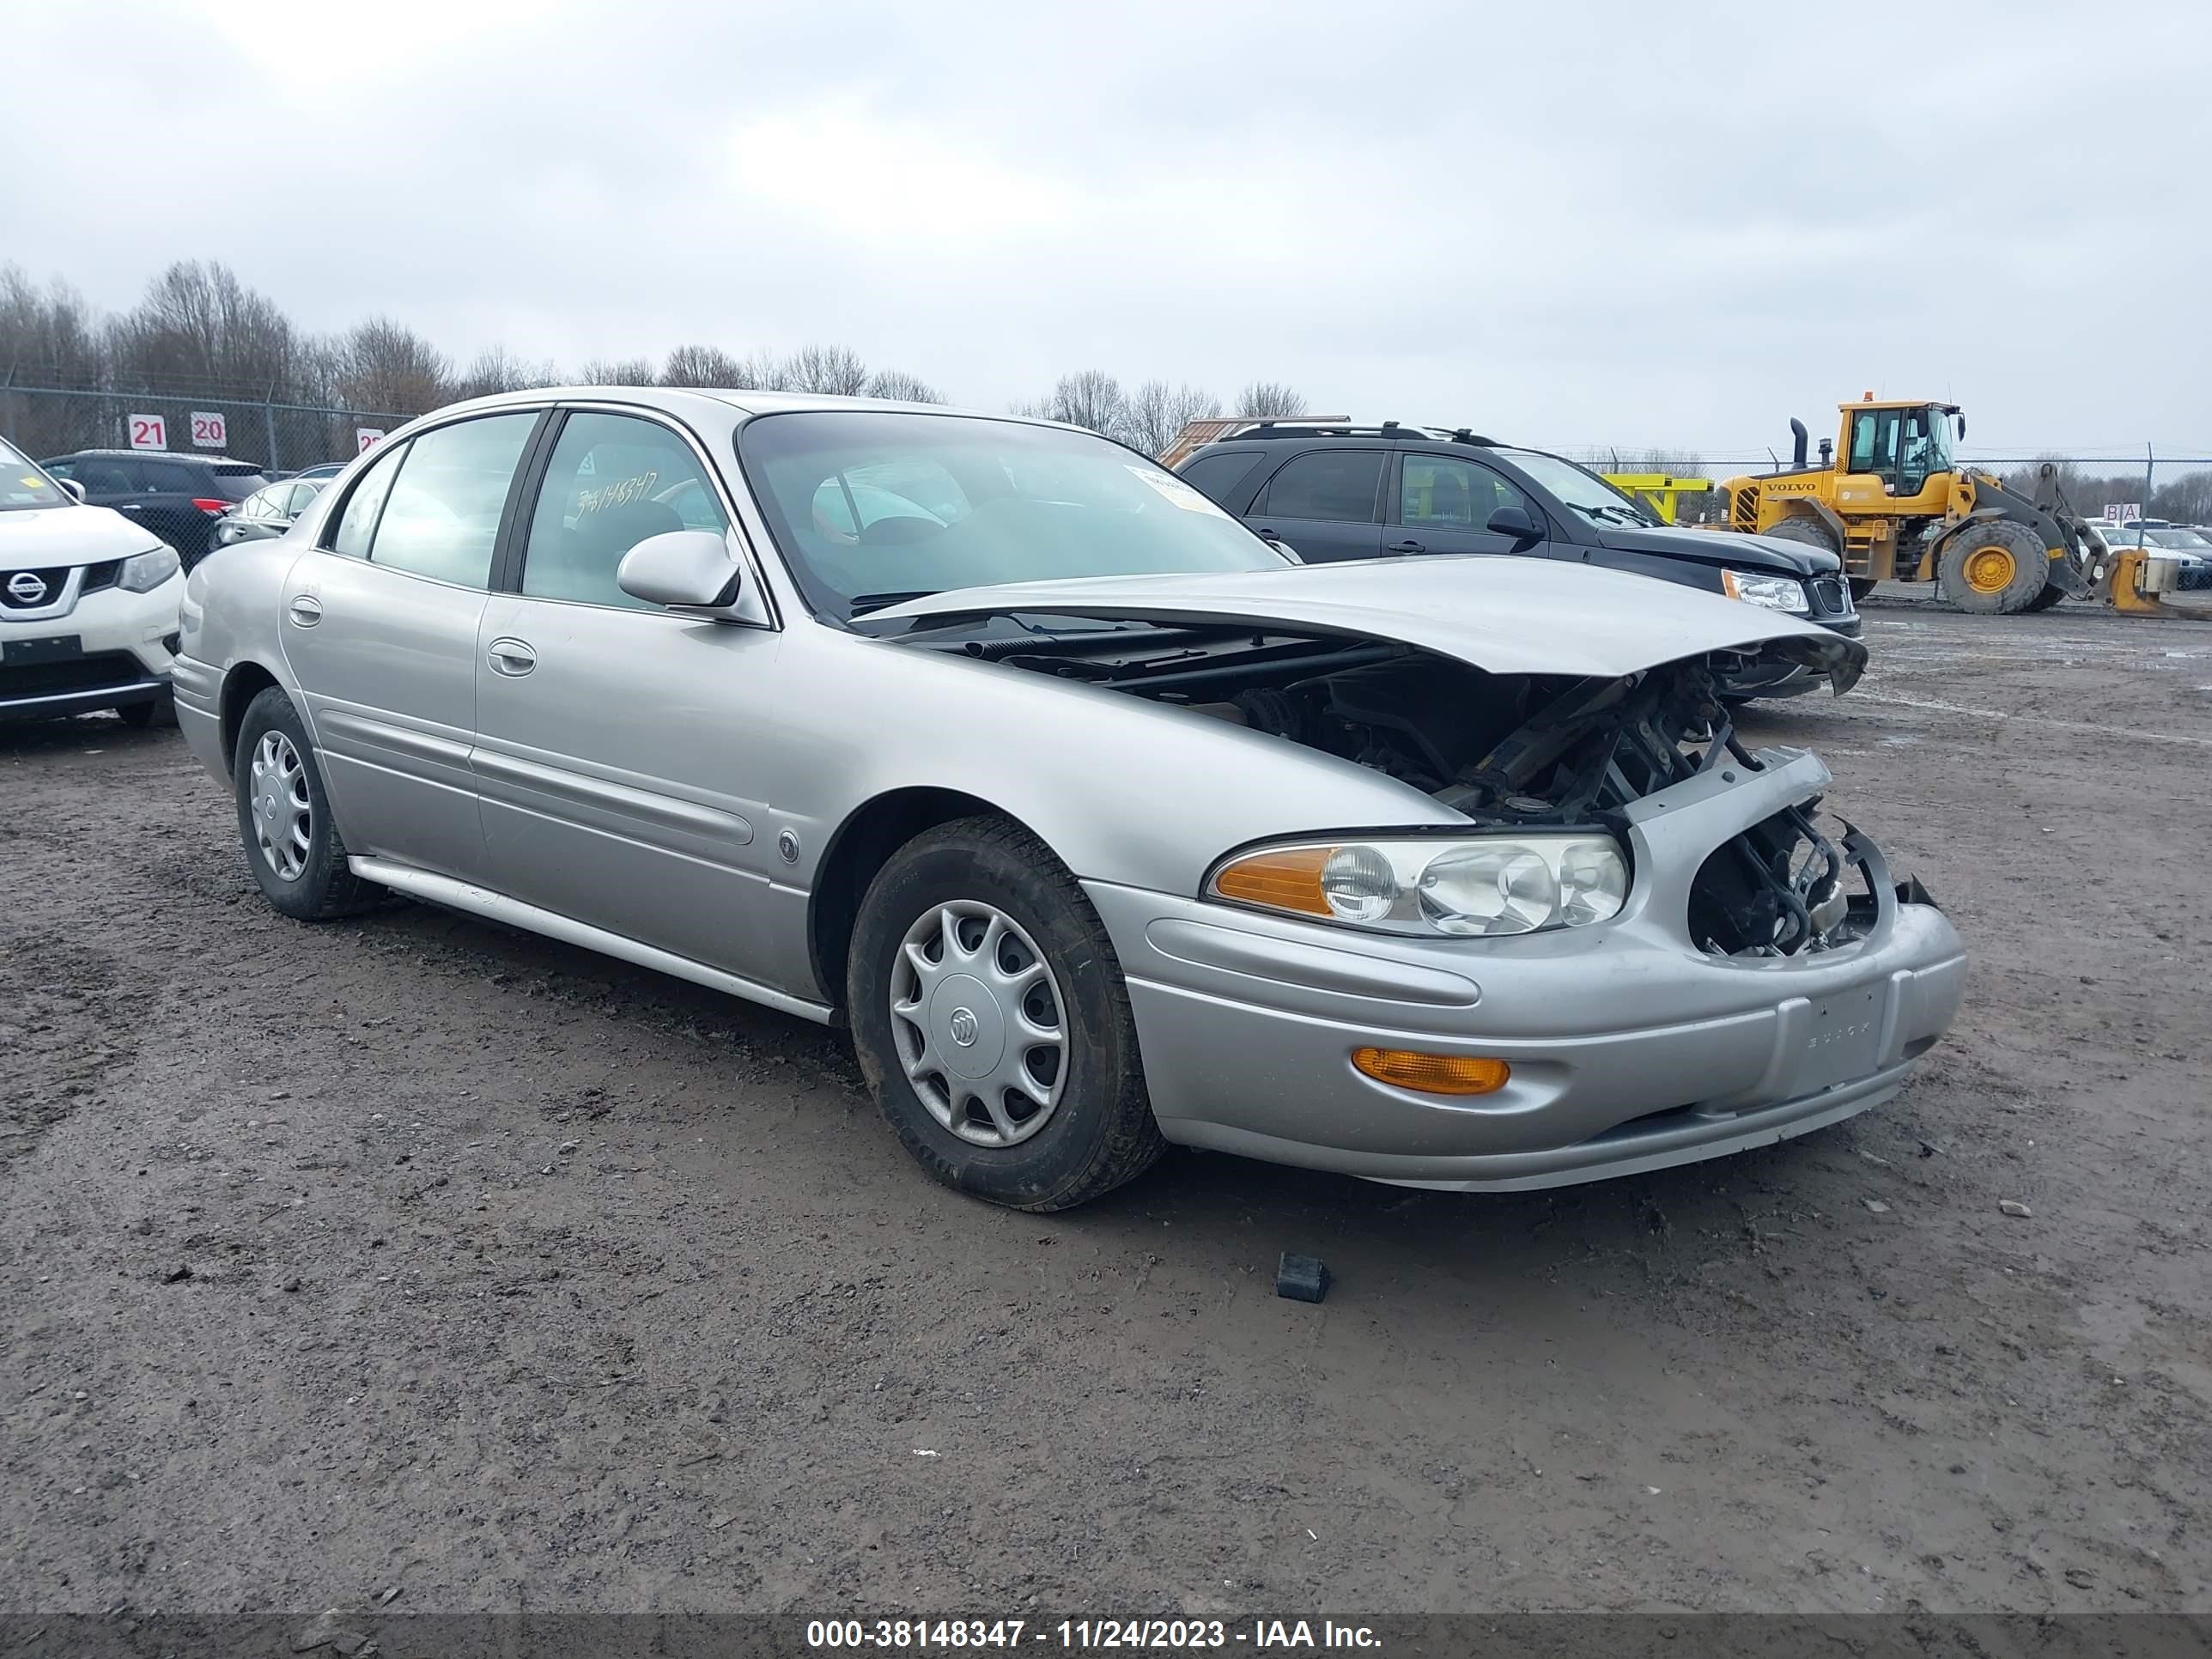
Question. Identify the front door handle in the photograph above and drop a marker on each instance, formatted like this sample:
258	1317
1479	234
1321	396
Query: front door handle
1406	547
306	609
512	658
132	506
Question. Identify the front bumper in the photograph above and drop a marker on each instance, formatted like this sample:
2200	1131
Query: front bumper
1790	679
121	653
1630	1049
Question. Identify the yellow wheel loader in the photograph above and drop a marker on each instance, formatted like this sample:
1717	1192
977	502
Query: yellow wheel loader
1893	502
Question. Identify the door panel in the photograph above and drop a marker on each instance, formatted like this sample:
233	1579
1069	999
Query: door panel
616	742
384	629
387	663
1322	504
1442	504
612	772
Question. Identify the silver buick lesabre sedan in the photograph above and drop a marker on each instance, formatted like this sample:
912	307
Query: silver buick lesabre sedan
1100	821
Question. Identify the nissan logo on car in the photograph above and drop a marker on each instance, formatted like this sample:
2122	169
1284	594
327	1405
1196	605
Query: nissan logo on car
27	588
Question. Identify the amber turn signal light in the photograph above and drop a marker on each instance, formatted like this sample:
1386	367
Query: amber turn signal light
1433	1075
1282	878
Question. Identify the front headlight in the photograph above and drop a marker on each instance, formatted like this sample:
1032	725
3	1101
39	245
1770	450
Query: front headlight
1775	593
144	572
1475	886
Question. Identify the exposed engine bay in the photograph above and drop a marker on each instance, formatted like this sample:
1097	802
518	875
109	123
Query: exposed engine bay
1503	748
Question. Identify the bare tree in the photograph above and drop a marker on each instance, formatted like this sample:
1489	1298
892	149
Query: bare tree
386	368
763	371
902	387
200	330
50	336
1270	400
497	369
619	371
1090	396
702	365
1156	413
835	369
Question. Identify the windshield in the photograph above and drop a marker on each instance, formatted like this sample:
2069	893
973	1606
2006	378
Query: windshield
22	485
871	509
1579	488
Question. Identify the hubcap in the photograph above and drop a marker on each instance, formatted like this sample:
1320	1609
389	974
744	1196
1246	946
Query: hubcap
1989	570
978	1022
281	811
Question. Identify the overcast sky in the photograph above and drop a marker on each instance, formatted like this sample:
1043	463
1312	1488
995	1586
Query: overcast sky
1569	224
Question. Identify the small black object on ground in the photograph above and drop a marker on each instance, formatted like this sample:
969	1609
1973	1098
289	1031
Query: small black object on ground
1301	1277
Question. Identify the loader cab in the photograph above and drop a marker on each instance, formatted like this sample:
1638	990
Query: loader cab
1895	457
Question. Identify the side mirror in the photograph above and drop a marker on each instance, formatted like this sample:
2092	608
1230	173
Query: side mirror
1517	522
73	488
685	569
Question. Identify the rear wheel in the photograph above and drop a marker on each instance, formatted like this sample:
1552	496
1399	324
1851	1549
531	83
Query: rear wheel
292	845
1995	568
991	1022
2049	596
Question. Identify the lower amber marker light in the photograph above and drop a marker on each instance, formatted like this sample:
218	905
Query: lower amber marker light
1432	1075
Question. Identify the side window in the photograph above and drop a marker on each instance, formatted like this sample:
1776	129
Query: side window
613	481
1437	491
442	517
358	522
167	478
103	478
1337	484
1216	475
303	497
260	504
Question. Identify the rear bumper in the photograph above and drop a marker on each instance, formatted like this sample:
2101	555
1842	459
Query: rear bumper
1630	1050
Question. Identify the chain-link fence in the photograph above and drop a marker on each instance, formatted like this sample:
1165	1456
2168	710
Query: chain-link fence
44	421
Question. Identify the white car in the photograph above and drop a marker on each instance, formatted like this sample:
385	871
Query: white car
89	604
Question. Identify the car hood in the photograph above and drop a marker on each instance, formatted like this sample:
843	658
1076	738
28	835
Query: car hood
38	537
1723	548
1504	616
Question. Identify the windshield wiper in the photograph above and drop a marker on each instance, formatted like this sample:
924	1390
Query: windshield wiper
863	604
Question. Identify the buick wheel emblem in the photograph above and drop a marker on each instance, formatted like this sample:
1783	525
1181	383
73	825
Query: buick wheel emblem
27	588
964	1027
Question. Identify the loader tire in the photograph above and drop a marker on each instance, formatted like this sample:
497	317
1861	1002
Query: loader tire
1995	568
2049	596
1806	532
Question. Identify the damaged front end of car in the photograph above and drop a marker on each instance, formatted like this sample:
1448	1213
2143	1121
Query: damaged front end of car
1506	751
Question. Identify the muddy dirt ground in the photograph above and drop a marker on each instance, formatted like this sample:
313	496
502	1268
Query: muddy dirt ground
410	1254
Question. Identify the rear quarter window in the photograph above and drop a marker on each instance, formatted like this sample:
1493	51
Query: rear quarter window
1218	475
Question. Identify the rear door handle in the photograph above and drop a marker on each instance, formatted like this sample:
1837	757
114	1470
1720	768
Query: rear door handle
307	610
512	658
1406	547
132	506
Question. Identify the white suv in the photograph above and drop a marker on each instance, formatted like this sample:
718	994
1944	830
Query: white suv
88	604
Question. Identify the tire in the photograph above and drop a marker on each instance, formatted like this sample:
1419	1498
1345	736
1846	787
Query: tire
2049	596
1806	532
273	751
1048	1146
1861	586
162	712
1994	568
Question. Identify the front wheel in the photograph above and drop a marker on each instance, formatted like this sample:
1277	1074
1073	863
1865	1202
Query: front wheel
292	845
1995	568
991	1022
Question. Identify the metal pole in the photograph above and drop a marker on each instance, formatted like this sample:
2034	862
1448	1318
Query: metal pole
2149	461
269	421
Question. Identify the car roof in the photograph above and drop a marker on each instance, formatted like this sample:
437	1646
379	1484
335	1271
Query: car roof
686	399
157	455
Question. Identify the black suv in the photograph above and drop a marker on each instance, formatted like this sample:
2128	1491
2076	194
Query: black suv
1346	492
178	497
